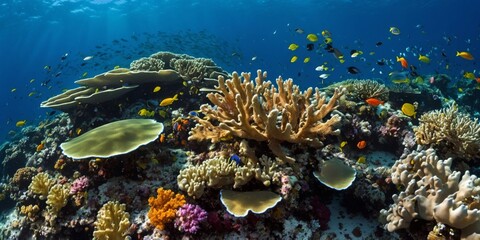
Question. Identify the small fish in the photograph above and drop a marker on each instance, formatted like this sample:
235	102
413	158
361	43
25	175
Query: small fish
401	81
324	76
312	37
394	30
355	53
299	31
293	47
21	123
402	61
193	113
469	75
40	146
156	89
353	70
293	59
254	58
310	46
465	55
116	67
13	90
185	83
87	58
78	131
326	33
409	110
306	60
328	40
32	93
321	68
145	113
236	158
47	67
161	139
64	56
361	144
343	144
362	160
32	80
423	58
162	113
378	44
168	101
374	102
84	74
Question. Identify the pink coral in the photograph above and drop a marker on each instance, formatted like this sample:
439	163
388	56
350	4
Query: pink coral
79	185
189	217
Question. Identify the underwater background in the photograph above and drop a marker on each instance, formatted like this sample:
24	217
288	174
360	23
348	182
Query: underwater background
395	71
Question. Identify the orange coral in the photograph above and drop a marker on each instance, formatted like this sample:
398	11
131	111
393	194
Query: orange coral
163	207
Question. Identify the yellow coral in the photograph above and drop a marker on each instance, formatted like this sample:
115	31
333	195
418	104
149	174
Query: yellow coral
57	198
163	207
112	222
40	184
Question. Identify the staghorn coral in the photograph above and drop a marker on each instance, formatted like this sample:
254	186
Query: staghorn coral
432	191
259	111
450	132
112	222
41	184
163	207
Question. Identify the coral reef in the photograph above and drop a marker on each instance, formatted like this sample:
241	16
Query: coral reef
189	217
240	203
112	222
41	184
57	198
163	207
112	139
432	191
259	111
450	132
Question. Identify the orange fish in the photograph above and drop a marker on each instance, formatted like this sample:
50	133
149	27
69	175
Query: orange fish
402	61
374	102
362	144
40	146
477	79
162	138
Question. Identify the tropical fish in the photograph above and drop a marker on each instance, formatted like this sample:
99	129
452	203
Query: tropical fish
156	89
32	80
355	53
343	144
13	90
293	47
328	40
312	37
409	110
293	59
87	58
236	158
326	33
361	144
418	80
423	58
162	113
306	60
145	113
40	146
116	67
84	74
402	61
469	75
32	93
310	46
321	68
401	81
362	160
394	30
21	123
324	76
78	131
465	55
168	101
374	102
353	70
299	31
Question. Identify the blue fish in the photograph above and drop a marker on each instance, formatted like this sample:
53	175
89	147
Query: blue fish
236	158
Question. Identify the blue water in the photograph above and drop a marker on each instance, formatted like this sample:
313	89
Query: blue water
36	33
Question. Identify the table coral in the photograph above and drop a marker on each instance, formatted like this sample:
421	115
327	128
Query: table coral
163	207
112	222
260	111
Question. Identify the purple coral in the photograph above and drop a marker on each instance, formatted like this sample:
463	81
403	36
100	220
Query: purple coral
189	217
79	185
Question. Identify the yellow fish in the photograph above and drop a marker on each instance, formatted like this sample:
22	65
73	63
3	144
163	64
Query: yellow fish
328	40
423	58
116	67
145	113
156	89
326	34
419	80
162	113
185	83
31	94
409	110
469	75
460	90
362	160
21	123
40	146
292	47
312	37
84	74
168	101
465	55
293	59
78	131
343	144
306	60
401	81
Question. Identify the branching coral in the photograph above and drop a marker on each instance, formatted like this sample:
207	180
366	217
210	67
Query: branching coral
451	132
112	222
434	192
57	198
163	207
259	111
40	184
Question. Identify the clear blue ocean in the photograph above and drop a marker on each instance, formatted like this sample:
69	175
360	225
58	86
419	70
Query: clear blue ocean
387	148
